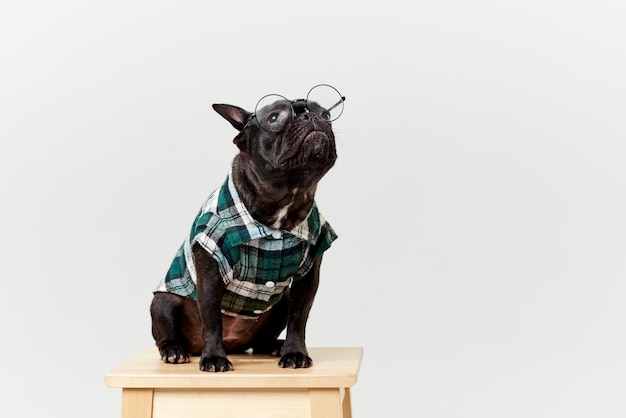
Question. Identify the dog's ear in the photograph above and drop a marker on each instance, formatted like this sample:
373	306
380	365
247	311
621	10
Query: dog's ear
237	116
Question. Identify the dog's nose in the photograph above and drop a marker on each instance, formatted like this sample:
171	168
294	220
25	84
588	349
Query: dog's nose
307	116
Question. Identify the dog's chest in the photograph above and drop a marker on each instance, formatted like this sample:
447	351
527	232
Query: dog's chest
281	217
293	212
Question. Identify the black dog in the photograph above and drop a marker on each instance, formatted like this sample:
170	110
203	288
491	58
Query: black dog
250	265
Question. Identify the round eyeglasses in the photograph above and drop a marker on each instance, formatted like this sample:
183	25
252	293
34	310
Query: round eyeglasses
273	111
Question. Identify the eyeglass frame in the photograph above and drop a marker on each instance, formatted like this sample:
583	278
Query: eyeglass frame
342	99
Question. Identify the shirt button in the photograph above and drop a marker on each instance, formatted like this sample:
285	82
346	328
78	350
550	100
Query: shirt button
277	234
270	284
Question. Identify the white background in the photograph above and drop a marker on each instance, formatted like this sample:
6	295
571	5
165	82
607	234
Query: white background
479	195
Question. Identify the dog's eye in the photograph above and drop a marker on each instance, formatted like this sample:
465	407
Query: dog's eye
273	118
275	121
325	115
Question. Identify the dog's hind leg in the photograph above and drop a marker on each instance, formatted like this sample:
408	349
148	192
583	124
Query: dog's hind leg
175	327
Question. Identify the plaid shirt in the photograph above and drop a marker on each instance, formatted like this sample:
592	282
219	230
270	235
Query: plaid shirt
257	263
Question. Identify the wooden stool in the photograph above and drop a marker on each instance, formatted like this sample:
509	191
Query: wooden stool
256	388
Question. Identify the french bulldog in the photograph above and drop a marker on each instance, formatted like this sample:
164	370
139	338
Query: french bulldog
250	266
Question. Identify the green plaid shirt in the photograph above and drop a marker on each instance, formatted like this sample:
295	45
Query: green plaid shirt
257	263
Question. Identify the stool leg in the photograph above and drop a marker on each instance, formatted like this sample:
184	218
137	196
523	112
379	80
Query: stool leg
347	404
325	403
137	403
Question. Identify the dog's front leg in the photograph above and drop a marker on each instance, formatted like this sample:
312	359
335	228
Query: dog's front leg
210	287
301	295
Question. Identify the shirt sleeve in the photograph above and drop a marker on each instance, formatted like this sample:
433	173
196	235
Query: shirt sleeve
324	240
209	232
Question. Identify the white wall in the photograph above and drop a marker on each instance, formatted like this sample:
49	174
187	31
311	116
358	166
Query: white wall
479	195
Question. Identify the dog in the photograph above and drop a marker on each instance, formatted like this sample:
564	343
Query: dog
250	266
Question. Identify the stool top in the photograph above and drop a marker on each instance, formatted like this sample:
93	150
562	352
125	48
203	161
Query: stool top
332	368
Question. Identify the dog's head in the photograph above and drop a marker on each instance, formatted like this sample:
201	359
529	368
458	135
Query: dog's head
286	137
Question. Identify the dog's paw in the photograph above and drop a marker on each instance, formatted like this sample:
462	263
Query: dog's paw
295	361
215	364
174	353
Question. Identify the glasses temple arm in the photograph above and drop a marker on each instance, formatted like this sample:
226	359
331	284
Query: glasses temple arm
343	99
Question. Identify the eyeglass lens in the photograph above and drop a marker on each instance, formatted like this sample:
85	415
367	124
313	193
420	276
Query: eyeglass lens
328	99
